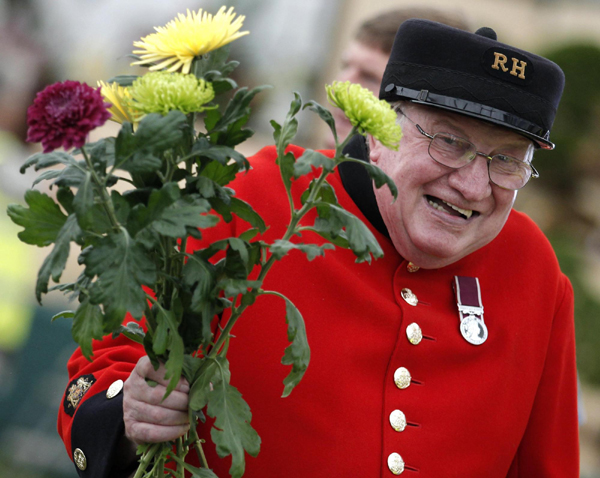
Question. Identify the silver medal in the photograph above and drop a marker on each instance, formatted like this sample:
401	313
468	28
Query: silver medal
470	310
473	330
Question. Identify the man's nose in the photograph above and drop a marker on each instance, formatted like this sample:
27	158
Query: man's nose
472	180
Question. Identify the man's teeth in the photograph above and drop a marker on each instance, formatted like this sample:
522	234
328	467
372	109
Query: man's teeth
465	212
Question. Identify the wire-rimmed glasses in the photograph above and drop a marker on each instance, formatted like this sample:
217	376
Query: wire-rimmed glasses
456	152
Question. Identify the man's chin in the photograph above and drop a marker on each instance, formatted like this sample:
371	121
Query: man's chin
434	256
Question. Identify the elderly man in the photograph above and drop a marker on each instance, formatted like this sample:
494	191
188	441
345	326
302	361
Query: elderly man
453	356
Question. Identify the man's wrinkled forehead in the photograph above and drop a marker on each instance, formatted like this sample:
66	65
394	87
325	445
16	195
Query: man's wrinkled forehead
438	120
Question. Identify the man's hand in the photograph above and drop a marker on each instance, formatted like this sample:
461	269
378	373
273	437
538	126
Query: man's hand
149	419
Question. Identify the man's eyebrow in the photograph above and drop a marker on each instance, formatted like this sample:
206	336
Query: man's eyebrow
511	141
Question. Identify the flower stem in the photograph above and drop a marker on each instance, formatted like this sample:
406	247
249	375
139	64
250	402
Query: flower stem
198	443
180	469
106	201
145	460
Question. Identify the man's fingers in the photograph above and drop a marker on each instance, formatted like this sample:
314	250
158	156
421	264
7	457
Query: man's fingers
139	390
145	369
152	414
139	432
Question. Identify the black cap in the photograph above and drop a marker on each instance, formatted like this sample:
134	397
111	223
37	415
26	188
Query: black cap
474	74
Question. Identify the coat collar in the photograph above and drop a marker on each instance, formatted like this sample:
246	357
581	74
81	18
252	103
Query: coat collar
358	184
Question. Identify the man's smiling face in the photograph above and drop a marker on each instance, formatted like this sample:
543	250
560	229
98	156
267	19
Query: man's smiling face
443	214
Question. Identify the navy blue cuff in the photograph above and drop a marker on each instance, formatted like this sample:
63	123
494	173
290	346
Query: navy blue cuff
96	432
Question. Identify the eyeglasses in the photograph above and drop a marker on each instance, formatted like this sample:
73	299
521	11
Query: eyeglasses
455	152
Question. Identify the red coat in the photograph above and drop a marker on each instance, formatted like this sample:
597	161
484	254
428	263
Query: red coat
506	408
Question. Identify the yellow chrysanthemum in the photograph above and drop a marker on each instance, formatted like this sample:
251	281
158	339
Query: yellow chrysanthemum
161	92
120	99
176	44
367	113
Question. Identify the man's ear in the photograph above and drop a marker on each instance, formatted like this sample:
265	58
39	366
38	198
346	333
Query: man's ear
374	149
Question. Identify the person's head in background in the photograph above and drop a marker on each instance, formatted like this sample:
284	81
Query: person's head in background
365	58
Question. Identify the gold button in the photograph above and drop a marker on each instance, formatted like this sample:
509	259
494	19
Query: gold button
398	420
402	378
114	389
79	459
395	463
412	267
409	297
414	334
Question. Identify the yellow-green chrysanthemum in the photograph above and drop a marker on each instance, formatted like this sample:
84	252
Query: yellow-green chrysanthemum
161	92
367	113
120	98
176	44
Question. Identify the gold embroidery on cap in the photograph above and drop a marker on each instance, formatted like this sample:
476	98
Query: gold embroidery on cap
518	65
500	61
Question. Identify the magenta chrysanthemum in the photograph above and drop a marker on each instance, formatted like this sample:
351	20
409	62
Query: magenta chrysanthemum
64	113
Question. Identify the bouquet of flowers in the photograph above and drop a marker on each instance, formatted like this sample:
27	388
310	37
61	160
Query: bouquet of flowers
173	183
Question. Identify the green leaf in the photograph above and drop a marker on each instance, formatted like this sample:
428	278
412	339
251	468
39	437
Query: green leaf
297	354
223	154
332	219
201	388
46	160
280	248
232	432
183	213
223	85
326	193
160	339
102	153
142	216
65	197
219	173
65	314
237	109
200	276
121	206
174	364
283	135
132	331
73	290
87	325
312	159
288	131
249	234
233	287
191	366
84	203
207	188
324	114
125	143
55	262
214	62
379	177
286	165
228	129
123	80
155	134
72	176
42	221
122	267
47	175
295	105
169	214
196	472
244	211
167	341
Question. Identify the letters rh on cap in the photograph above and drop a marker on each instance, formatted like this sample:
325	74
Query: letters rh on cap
518	66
